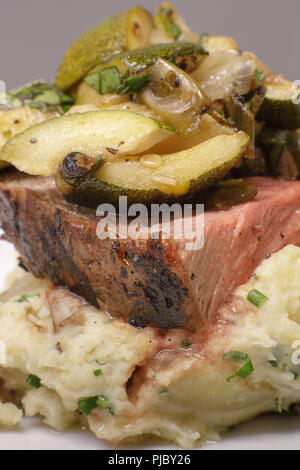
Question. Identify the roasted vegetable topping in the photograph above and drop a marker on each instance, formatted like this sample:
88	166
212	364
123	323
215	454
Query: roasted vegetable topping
168	93
40	149
127	74
128	30
38	95
182	176
183	54
279	109
174	96
222	72
29	105
110	81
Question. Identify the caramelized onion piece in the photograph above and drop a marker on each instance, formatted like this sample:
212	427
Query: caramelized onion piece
224	71
175	96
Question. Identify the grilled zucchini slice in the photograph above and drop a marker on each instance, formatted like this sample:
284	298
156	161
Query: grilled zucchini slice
28	105
181	176
279	108
128	30
111	82
99	134
14	121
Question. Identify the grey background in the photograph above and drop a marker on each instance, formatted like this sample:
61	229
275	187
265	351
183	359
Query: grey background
34	34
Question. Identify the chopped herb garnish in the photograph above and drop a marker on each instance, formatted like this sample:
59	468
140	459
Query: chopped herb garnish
97	372
67	99
33	381
279	405
34	105
87	405
174	30
24	92
245	370
24	298
48	97
259	75
162	390
102	401
164	20
185	344
256	297
133	84
273	363
66	107
109	80
41	96
111	410
93	80
164	125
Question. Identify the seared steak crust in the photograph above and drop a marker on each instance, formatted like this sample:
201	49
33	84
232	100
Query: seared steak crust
135	280
147	282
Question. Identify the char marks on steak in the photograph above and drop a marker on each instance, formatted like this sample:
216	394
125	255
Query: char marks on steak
155	282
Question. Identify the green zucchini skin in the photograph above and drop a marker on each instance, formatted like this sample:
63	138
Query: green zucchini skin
281	114
90	192
139	60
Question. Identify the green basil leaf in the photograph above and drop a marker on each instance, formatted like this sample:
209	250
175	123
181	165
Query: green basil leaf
93	80
259	75
134	84
110	80
48	97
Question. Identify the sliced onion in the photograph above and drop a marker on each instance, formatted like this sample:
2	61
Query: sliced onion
175	96
225	71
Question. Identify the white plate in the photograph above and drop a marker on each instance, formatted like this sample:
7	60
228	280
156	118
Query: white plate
266	432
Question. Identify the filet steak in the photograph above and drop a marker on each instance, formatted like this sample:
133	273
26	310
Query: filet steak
147	282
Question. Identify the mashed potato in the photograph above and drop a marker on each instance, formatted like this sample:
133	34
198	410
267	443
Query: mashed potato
168	384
